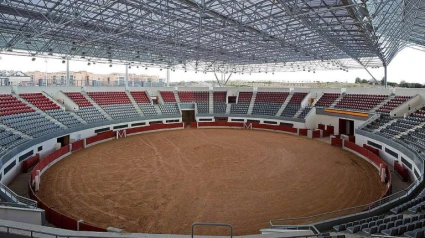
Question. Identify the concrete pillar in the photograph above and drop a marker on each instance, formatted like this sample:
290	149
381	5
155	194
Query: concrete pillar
67	71
126	77
168	77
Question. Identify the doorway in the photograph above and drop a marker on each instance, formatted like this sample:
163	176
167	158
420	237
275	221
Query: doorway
64	140
346	127
188	116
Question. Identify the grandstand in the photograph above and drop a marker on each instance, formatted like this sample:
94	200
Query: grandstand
367	144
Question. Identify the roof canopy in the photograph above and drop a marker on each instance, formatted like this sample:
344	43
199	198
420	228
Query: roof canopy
215	35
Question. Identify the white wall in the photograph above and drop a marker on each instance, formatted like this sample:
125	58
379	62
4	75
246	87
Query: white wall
334	121
389	159
30	216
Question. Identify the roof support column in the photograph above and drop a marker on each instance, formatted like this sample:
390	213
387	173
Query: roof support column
168	77
385	76
67	71
126	77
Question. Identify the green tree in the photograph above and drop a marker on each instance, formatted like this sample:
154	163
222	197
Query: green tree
358	80
365	81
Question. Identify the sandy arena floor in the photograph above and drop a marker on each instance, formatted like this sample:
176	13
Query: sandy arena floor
163	182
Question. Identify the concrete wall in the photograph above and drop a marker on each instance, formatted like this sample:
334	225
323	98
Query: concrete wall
30	216
334	121
414	104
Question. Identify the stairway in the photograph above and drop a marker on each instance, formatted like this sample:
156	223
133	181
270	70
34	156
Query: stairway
40	111
385	125
211	102
176	95
285	103
382	103
228	107
337	100
317	99
77	117
135	105
100	109
299	112
421	125
53	100
251	104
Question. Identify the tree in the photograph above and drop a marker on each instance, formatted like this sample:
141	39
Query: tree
365	81
358	80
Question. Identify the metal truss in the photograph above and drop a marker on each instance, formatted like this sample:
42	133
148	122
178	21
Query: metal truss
225	36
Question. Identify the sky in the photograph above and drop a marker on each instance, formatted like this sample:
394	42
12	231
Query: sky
408	65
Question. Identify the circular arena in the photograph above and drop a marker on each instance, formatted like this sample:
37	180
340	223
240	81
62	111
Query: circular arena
165	181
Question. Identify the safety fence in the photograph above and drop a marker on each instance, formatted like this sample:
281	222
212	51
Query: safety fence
253	125
30	162
402	171
53	216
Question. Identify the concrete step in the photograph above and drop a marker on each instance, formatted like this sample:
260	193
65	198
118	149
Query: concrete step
211	102
135	105
100	109
251	104
78	117
299	112
337	100
285	103
176	95
228	107
382	103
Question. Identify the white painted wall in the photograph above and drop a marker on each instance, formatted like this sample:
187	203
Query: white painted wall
30	216
389	159
334	121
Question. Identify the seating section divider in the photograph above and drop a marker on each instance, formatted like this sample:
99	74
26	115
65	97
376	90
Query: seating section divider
321	126
28	163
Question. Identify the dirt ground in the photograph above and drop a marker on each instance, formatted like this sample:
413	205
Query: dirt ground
163	182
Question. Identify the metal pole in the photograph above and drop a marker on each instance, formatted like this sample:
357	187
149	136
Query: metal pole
67	71
45	77
126	77
168	77
386	76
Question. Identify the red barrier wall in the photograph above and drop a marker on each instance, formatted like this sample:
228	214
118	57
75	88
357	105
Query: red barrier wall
371	149
402	171
274	127
28	163
321	127
330	129
193	124
77	145
221	123
316	134
99	137
336	142
303	132
154	127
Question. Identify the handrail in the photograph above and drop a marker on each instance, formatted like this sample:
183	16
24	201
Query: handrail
367	207
213	224
16	198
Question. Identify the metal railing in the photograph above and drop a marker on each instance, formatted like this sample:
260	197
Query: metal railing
16	198
287	222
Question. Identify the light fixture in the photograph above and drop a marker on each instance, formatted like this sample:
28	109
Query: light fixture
160	69
63	61
33	59
146	68
129	66
88	63
110	65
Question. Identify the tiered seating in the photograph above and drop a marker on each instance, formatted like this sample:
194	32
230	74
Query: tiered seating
116	104
45	104
168	96
21	117
244	99
40	101
170	108
87	111
201	98
10	105
219	102
142	99
268	103
79	99
293	105
9	140
382	120
393	103
360	102
415	205
64	117
327	99
304	113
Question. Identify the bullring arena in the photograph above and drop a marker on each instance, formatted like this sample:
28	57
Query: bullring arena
184	118
163	182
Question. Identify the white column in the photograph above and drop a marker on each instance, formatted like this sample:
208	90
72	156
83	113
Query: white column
168	77
126	77
67	71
